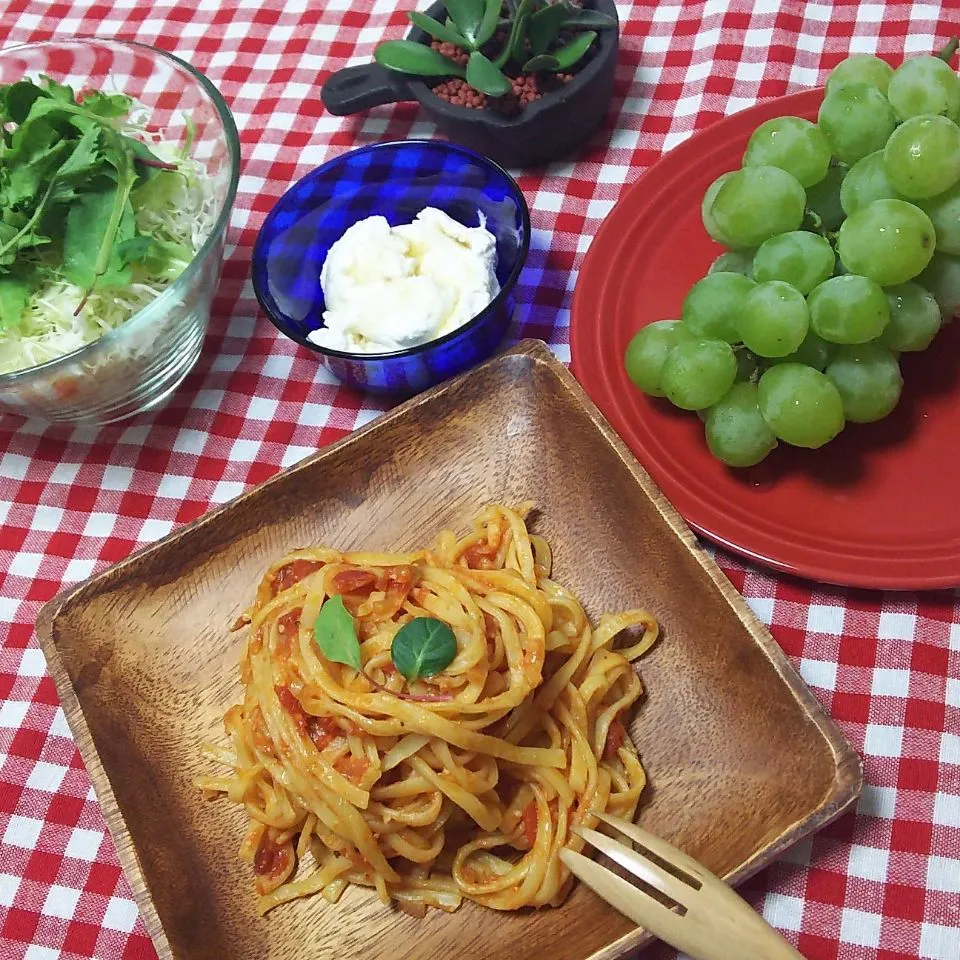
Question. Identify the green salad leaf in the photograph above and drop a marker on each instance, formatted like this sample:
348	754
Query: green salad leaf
14	293
68	173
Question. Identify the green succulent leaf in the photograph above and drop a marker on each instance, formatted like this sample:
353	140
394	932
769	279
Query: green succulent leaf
590	20
544	25
407	56
484	75
490	22
518	35
572	52
467	15
543	63
439	31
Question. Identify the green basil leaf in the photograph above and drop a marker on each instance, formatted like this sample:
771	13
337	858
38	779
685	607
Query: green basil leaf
467	15
422	648
336	633
571	53
407	56
544	25
439	31
486	76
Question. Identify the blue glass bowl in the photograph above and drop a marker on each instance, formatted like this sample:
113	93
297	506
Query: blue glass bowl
396	181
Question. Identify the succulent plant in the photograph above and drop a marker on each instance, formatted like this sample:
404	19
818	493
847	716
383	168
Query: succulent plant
527	33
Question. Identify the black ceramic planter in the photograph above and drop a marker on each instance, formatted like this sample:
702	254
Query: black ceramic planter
544	130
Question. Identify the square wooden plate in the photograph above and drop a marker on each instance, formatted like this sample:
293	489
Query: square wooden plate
742	759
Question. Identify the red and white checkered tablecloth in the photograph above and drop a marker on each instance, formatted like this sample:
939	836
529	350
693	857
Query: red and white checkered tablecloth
883	882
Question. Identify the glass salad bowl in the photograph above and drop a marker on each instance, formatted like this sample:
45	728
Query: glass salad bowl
395	180
135	364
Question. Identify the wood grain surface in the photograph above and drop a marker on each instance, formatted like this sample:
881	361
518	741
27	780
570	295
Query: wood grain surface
742	759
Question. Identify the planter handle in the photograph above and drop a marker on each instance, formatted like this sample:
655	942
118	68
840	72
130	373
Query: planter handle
353	89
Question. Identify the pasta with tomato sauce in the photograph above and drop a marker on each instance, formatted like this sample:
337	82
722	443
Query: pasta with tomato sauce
430	724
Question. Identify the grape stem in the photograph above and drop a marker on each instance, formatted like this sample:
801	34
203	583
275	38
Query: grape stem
946	54
814	223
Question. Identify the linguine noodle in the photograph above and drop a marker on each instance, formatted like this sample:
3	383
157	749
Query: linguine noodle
464	784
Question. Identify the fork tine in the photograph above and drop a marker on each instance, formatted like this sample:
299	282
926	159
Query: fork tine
639	866
664	850
623	895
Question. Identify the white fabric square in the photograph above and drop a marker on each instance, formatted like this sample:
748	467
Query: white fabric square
890	682
61	902
22	832
860	927
32	663
883	740
9	885
819	673
46	776
121	914
938	942
868	863
47	518
825	618
12	713
84	844
762	607
897	626
878	802
783	911
943	873
946	810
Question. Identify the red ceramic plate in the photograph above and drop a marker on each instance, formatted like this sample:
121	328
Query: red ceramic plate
877	507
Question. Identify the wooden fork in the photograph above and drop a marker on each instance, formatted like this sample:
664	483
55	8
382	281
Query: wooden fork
705	919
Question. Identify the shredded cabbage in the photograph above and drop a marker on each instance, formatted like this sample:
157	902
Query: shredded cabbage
177	208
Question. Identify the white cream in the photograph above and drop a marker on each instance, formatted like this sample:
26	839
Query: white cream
387	289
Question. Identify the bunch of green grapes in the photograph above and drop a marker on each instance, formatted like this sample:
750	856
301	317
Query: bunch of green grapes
843	251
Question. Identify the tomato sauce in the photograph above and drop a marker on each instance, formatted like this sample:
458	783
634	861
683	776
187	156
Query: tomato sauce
616	736
292	573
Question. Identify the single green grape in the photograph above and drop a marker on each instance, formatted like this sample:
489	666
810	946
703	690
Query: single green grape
860	68
865	182
942	279
922	157
774	320
706	206
734	261
801	405
792	144
868	378
924	85
813	352
757	203
697	373
823	198
647	351
889	241
944	212
737	434
711	307
848	309
800	258
914	318
857	120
